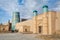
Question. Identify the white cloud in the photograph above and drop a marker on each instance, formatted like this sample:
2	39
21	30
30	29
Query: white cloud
12	5
57	8
26	10
45	1
9	5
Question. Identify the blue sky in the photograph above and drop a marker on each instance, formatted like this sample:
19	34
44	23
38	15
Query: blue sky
25	7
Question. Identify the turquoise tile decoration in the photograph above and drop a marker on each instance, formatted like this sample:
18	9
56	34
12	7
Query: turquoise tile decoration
45	8
35	13
15	19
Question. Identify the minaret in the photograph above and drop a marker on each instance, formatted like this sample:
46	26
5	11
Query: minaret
35	21
45	8
45	19
15	19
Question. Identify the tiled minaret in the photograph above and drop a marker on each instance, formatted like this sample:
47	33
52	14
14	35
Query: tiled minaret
15	19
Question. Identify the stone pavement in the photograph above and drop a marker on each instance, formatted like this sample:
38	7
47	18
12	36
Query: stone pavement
18	36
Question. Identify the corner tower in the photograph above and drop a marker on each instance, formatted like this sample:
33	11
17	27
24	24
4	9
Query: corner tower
45	8
35	21
45	20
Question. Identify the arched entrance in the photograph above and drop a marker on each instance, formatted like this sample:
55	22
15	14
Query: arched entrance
40	29
26	28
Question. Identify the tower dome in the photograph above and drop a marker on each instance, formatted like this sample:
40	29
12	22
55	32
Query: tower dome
35	12
45	8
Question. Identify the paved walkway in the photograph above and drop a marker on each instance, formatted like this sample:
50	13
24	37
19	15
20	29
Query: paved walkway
18	36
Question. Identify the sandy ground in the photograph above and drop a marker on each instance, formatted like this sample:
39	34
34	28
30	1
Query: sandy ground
18	36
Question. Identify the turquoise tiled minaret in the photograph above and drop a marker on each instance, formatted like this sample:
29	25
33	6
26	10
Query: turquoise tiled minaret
45	8
35	13
15	19
35	20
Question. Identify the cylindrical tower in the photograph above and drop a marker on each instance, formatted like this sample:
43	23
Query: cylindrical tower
35	21
45	19
45	8
15	19
35	13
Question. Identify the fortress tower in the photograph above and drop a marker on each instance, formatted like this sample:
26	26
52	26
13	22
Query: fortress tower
15	19
35	21
49	21
45	20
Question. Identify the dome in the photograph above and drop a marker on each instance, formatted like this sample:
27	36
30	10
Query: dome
35	11
45	6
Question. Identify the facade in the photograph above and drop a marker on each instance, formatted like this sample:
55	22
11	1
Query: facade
46	23
5	27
